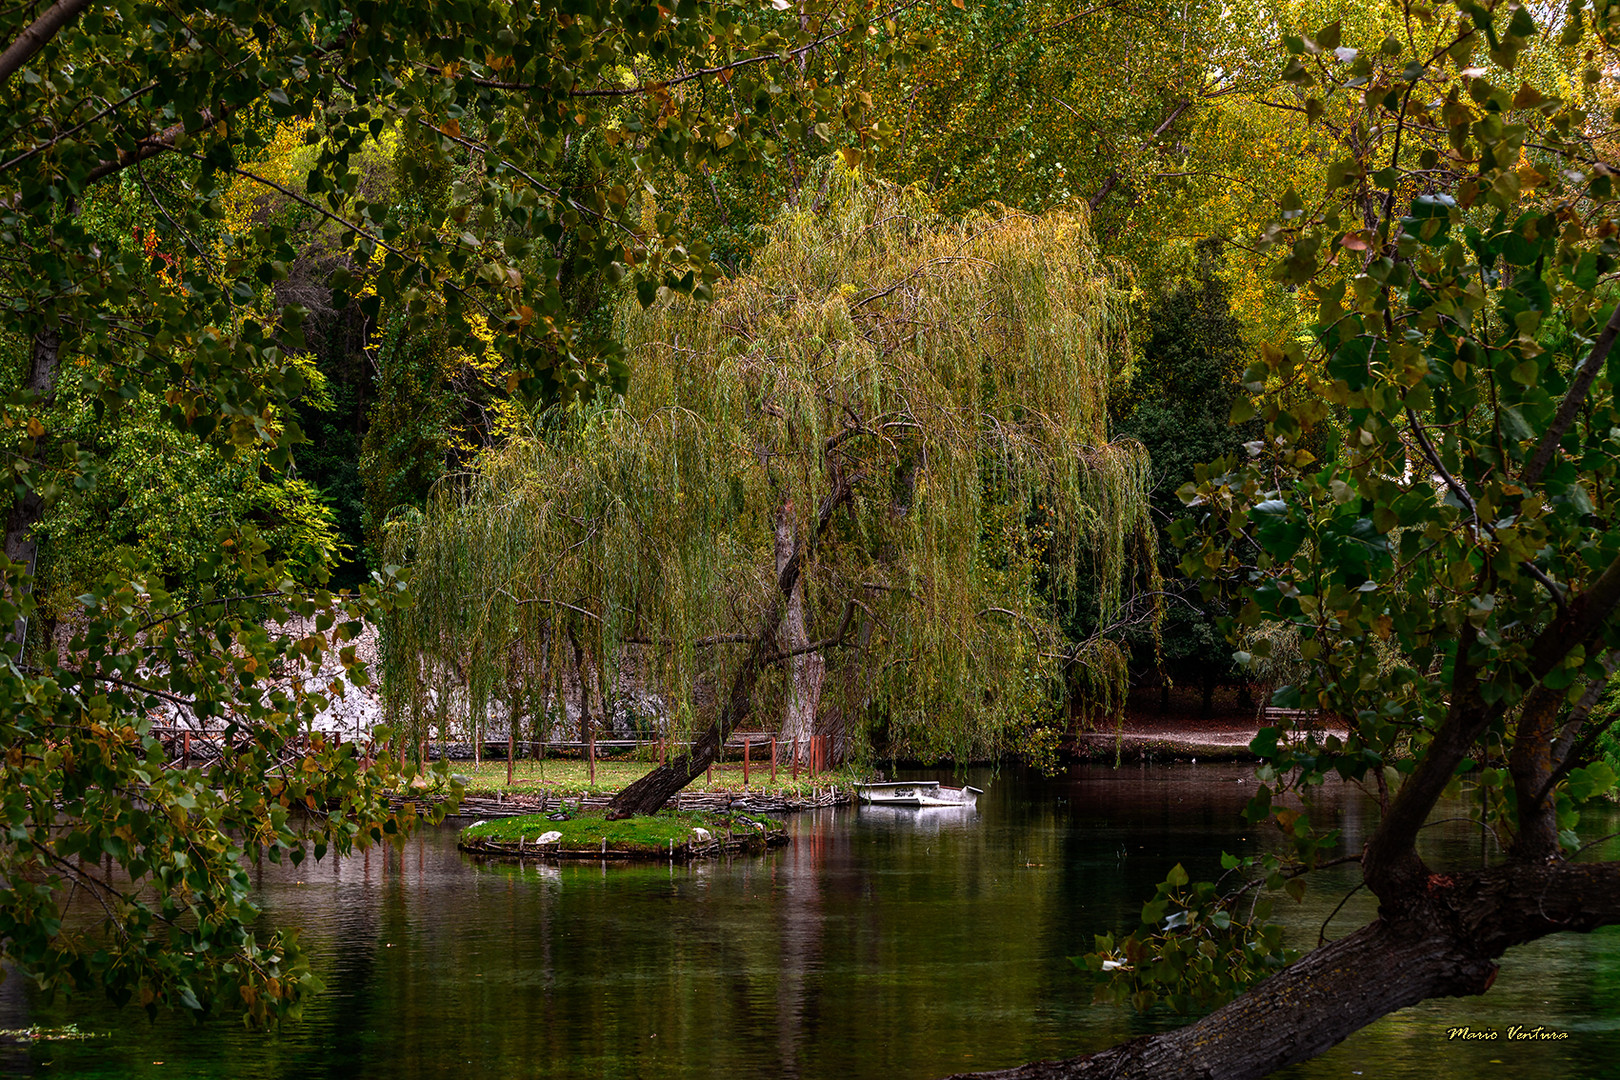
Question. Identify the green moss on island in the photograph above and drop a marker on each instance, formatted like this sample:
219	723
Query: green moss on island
589	834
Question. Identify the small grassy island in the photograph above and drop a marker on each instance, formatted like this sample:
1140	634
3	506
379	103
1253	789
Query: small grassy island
588	834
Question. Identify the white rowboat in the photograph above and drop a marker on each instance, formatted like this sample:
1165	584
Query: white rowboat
916	793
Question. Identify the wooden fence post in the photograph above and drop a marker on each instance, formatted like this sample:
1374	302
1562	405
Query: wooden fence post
593	753
511	752
747	742
185	743
773	760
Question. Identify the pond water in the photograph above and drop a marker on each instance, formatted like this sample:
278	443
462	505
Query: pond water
882	944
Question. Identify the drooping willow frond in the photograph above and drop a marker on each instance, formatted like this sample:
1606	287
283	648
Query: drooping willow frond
953	375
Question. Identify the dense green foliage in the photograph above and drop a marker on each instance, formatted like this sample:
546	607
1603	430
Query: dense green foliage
1178	406
875	457
942	386
1449	566
155	382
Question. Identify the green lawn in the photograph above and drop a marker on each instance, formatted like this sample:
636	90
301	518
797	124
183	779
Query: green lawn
558	777
647	834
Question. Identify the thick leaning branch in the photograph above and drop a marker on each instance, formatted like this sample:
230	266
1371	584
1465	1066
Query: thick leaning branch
1442	942
33	39
648	794
1390	858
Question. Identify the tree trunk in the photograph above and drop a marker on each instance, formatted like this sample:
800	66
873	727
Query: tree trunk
540	710
21	545
648	794
806	670
584	687
1442	943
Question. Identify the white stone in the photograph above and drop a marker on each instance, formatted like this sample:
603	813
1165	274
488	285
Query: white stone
701	834
549	837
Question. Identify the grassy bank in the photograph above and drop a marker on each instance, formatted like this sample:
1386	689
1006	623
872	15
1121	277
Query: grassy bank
648	835
567	778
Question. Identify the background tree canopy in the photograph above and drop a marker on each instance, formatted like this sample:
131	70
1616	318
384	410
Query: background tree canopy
183	193
1447	562
911	412
776	437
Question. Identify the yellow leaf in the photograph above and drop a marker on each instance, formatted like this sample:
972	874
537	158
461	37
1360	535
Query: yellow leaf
35	428
851	156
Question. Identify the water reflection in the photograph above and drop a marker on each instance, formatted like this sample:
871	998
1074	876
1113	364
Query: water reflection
928	820
883	943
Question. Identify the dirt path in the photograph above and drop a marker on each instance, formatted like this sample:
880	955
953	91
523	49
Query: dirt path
1179	732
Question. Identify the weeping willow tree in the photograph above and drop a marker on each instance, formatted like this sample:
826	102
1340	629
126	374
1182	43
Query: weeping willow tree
851	495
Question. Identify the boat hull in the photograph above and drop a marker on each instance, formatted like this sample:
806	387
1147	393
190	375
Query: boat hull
916	793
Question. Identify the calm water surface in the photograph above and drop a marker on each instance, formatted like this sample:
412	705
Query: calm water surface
882	944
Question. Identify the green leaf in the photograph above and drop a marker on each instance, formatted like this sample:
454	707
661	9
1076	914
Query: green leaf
1526	372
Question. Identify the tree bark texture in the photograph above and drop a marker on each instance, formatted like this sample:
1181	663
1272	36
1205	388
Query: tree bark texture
1442	942
807	670
1437	934
648	794
21	544
39	32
